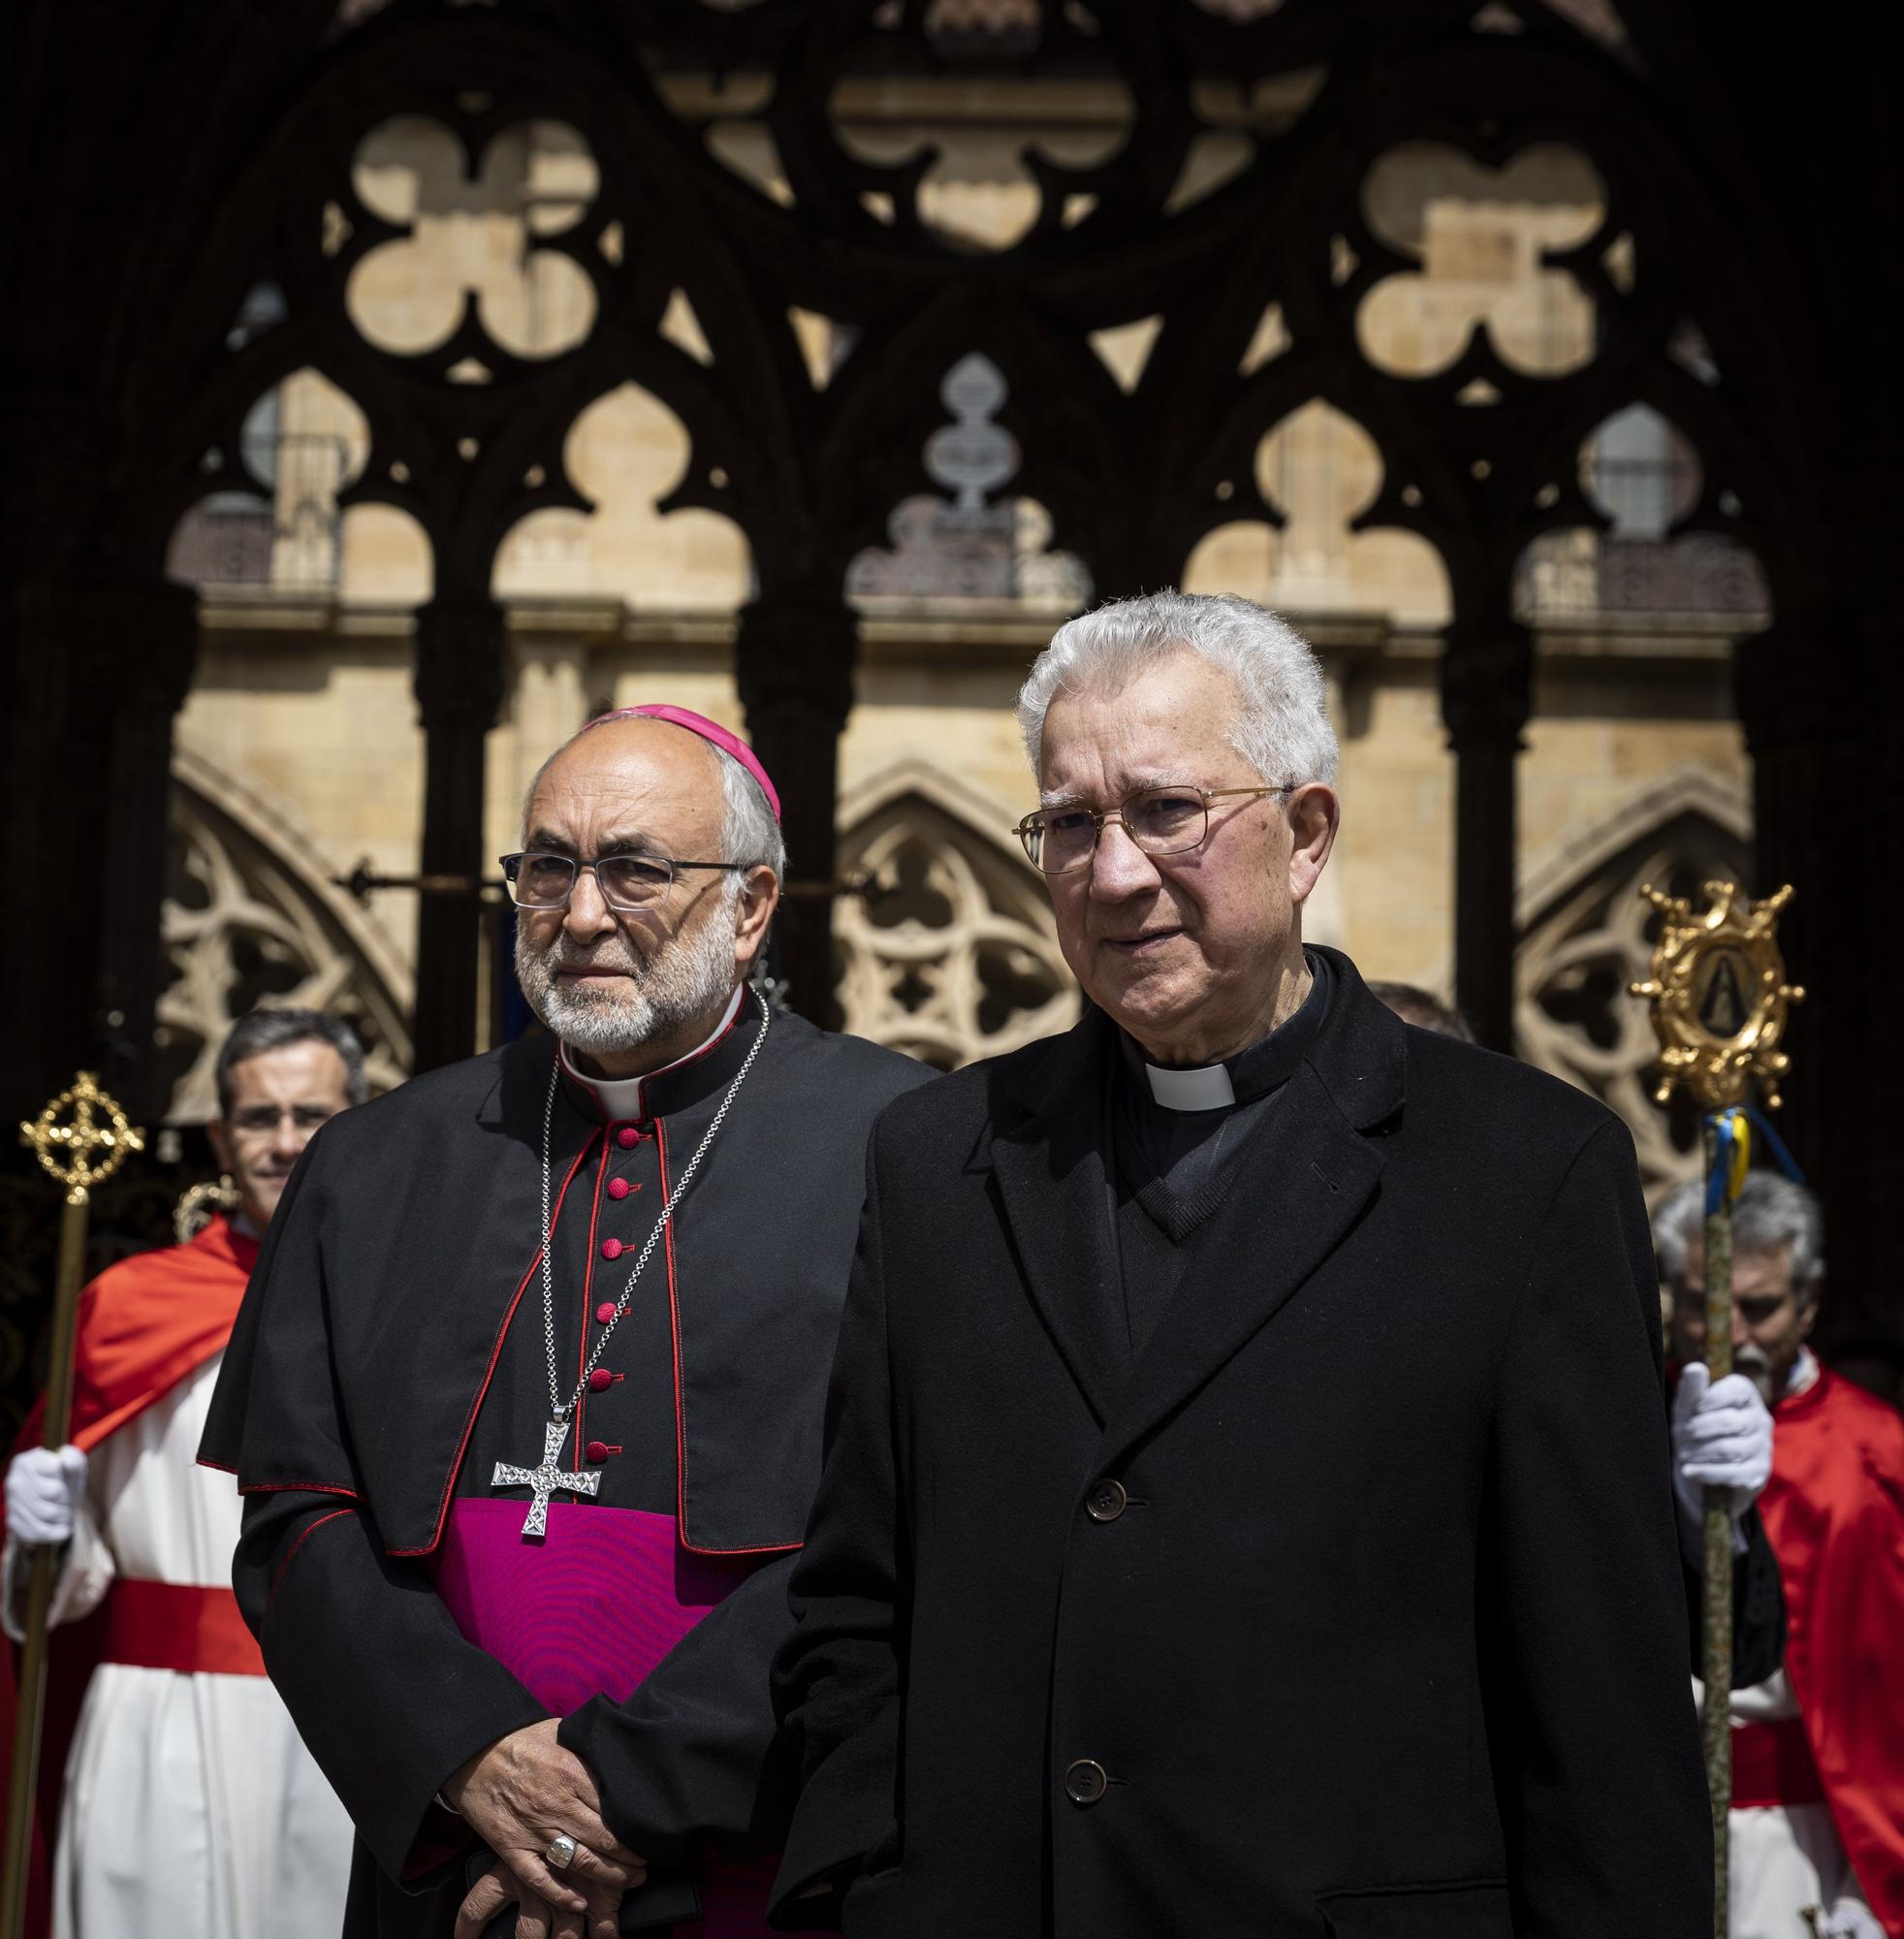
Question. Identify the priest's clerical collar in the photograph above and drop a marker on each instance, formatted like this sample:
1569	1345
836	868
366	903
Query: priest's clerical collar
1251	1073
1206	1088
634	1097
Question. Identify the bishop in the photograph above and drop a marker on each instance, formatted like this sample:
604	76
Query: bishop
629	1239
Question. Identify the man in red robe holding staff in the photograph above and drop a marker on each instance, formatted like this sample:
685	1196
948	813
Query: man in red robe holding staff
1818	1749
187	1803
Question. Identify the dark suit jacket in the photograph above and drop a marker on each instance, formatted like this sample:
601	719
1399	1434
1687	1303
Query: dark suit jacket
1381	1631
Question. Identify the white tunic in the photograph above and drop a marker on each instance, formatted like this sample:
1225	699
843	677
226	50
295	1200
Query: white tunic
191	1806
1782	1859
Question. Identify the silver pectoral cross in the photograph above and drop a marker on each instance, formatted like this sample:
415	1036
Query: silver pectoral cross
545	1480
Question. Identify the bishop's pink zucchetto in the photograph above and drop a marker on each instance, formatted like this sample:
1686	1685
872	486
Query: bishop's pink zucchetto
709	730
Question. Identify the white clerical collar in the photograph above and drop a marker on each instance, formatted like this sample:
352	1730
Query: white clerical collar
621	1096
1803	1375
1205	1089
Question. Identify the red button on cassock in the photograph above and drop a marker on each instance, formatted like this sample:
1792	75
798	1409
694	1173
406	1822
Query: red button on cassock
611	1249
627	1137
600	1379
604	1313
617	1188
597	1451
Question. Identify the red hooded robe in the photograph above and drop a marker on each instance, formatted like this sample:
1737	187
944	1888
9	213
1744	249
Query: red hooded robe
143	1326
1834	1513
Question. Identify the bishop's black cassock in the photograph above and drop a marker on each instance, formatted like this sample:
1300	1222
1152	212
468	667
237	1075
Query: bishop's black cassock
391	1351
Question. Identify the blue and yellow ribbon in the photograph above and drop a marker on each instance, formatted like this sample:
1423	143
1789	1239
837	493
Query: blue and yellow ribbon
1732	1159
1731	1156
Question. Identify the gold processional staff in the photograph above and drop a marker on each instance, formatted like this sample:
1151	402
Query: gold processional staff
1720	1003
81	1138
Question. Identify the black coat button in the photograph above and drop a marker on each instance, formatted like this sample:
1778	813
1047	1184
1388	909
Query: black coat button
1085	1781
1106	1500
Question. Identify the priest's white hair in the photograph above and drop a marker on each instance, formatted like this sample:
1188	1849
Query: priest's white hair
1772	1213
1282	725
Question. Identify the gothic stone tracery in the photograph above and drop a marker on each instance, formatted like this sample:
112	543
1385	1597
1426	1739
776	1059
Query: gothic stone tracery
210	154
730	160
951	956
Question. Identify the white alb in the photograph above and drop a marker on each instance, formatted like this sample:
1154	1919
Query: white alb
191	1804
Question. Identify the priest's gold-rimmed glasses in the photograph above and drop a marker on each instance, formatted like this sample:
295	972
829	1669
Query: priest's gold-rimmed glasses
1160	820
541	881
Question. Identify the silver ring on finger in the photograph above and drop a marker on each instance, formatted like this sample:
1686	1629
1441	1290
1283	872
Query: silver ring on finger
560	1852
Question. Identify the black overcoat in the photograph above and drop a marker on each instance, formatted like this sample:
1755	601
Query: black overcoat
1353	1605
395	1295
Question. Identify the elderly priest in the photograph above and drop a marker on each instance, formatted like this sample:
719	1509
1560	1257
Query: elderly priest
1247	1504
524	1399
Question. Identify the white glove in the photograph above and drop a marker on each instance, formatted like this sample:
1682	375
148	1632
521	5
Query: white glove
1722	1437
1848	1919
44	1486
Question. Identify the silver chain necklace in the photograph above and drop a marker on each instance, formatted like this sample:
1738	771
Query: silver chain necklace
545	1480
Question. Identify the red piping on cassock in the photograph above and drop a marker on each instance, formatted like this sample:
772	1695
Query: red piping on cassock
489	1372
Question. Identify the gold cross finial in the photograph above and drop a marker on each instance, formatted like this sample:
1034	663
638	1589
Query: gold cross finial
70	1139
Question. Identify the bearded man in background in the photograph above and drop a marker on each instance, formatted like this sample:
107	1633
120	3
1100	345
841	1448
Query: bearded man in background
1818	1746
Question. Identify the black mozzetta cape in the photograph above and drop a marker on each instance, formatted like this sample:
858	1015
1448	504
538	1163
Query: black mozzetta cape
391	1348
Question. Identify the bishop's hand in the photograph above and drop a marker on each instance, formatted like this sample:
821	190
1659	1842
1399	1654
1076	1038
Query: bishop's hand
496	1891
517	1796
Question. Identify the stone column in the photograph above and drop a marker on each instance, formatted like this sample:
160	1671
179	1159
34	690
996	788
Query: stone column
1798	688
1871	1251
142	634
461	678
53	779
793	655
1486	697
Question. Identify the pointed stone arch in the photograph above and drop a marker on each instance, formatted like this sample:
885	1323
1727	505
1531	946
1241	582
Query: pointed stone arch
953	956
251	917
1583	936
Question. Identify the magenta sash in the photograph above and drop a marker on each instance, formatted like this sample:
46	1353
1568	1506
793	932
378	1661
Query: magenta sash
588	1612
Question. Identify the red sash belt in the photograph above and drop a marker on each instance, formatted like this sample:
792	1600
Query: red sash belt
1772	1764
177	1626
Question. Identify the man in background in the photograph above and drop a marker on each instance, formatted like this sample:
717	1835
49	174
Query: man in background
1817	1747
189	1806
1424	1009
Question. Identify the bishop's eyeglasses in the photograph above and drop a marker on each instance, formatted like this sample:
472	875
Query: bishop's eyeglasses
539	880
1160	820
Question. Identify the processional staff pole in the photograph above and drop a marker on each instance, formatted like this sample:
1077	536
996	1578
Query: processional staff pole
1719	1006
81	1138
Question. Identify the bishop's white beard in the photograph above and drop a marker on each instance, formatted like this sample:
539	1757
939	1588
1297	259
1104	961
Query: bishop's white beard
681	980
